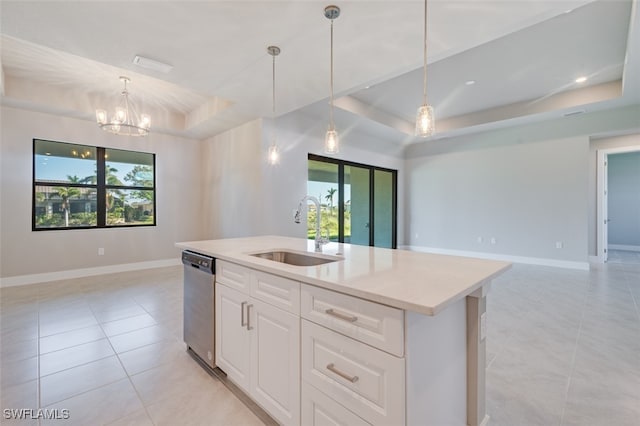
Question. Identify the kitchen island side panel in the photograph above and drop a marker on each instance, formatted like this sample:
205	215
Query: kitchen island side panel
436	365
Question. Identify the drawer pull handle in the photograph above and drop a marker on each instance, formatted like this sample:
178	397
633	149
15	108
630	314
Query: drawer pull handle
340	315
242	321
249	327
345	376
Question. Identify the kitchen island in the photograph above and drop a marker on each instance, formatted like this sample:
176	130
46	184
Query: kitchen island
373	336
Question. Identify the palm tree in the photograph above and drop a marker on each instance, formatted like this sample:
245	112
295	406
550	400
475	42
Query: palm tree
329	198
66	194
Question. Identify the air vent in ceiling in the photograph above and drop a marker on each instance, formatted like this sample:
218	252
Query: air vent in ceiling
152	64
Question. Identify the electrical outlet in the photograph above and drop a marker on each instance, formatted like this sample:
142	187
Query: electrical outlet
479	240
493	240
559	244
101	251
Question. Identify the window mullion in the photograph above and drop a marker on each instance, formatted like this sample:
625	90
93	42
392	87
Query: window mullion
101	193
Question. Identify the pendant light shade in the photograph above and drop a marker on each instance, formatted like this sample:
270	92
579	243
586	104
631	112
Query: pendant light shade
331	140
425	121
273	155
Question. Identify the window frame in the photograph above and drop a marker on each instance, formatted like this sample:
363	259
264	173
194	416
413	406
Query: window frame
101	187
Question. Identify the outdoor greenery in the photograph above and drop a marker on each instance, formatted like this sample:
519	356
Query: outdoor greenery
124	206
328	219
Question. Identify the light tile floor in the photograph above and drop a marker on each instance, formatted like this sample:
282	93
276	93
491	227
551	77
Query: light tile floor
624	256
563	348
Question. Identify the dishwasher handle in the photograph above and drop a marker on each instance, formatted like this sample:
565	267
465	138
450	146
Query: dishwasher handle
199	261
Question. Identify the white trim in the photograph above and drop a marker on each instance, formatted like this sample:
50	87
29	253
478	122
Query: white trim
508	258
624	247
85	272
601	207
595	259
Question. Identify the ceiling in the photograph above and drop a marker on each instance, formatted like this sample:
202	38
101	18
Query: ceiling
65	57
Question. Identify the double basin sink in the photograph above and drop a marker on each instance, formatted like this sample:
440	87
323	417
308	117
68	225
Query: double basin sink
296	258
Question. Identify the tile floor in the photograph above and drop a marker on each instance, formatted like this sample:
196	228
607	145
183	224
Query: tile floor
563	348
624	256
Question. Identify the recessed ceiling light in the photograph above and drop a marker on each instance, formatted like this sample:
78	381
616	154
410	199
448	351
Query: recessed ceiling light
470	82
152	64
581	79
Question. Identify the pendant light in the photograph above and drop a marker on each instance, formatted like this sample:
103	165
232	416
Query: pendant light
331	140
425	121
273	155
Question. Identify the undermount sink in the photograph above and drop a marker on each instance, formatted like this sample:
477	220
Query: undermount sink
295	258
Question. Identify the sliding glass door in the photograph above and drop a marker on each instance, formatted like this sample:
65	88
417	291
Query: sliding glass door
358	201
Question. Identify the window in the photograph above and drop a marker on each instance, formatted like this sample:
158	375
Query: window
82	186
358	202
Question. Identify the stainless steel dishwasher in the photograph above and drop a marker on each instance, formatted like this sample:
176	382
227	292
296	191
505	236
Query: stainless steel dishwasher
199	303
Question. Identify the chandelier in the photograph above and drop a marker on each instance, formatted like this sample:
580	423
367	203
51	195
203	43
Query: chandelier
125	119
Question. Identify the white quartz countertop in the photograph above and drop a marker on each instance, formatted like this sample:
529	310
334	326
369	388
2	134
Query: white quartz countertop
414	281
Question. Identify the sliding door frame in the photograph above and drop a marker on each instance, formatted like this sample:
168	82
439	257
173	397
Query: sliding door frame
394	197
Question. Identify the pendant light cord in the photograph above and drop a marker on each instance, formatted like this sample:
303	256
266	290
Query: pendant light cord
331	82
273	109
424	98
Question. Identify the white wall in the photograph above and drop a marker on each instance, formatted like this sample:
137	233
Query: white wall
532	168
526	196
24	252
247	196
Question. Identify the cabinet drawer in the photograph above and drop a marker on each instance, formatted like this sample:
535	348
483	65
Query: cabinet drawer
278	291
232	275
367	381
377	325
320	410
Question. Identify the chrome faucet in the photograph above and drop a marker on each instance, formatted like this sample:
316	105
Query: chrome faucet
319	240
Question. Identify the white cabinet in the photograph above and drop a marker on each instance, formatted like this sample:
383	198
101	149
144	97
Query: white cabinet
275	361
232	338
372	323
311	356
320	410
258	338
363	379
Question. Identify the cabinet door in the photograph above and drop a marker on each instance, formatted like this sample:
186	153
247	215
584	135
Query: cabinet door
275	361
320	410
232	338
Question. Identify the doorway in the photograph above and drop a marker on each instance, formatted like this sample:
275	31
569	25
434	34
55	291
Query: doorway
618	205
358	201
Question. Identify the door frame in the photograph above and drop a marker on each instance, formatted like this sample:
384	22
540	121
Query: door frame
602	200
394	213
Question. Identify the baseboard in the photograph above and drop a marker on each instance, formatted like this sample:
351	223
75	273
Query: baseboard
595	259
508	258
623	247
85	272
